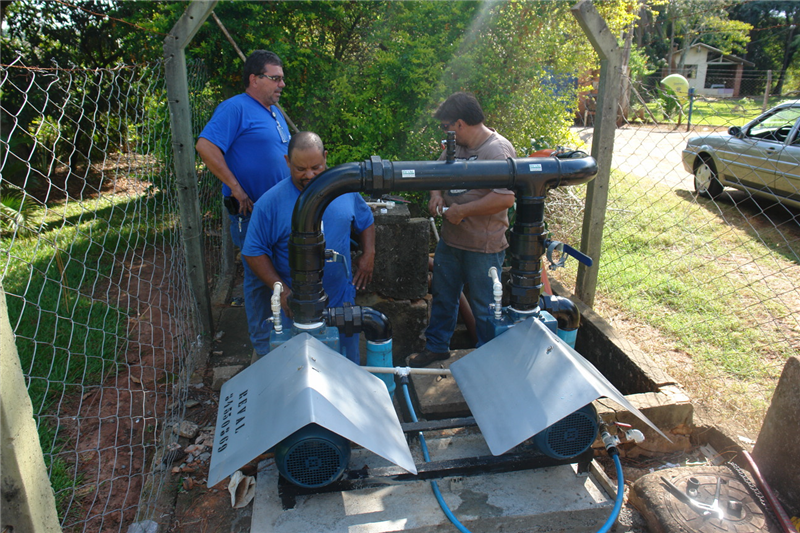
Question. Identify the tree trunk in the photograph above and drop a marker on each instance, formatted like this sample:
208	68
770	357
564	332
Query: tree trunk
671	42
788	53
4	4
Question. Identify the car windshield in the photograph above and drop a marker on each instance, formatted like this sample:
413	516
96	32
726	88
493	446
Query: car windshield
776	126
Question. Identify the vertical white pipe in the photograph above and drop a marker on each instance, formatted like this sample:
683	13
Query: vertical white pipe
497	291
277	289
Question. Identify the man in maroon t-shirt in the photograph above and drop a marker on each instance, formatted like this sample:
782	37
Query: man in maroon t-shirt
473	231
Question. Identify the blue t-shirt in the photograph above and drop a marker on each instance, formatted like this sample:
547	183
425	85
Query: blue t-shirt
271	227
248	135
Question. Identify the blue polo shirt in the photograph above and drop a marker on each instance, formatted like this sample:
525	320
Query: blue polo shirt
271	227
248	135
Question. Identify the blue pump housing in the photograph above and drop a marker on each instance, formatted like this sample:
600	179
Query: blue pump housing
326	334
510	317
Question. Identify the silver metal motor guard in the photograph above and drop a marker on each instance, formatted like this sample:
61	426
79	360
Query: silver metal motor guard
527	379
303	381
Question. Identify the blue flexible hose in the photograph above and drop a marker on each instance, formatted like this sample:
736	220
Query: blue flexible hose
620	496
447	512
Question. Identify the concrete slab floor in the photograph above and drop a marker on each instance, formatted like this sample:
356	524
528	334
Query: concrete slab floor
399	505
546	499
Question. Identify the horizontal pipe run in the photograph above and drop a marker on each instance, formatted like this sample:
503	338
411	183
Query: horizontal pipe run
532	177
406	370
529	178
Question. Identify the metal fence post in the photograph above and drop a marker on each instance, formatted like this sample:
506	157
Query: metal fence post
605	125
28	500
183	149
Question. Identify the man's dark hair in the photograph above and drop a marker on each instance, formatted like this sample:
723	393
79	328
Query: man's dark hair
304	140
462	106
256	61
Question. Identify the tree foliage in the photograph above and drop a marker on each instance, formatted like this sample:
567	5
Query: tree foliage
684	23
776	39
365	75
54	34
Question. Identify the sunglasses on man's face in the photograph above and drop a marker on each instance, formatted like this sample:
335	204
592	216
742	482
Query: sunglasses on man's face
447	125
276	79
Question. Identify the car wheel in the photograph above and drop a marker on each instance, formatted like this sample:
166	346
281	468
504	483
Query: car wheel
705	179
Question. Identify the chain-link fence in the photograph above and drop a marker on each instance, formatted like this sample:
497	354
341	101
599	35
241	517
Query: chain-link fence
710	287
93	269
217	241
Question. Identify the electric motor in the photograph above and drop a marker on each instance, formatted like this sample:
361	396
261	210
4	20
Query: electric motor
312	457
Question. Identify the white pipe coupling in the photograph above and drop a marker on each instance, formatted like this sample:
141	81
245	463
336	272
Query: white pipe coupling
275	302
497	291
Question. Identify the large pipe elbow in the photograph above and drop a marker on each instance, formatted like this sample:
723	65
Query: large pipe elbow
534	176
351	320
325	188
564	310
377	327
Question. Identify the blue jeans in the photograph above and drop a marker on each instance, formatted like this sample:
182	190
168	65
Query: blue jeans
256	294
257	305
452	270
238	235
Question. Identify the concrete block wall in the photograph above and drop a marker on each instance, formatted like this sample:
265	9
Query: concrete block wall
401	254
399	287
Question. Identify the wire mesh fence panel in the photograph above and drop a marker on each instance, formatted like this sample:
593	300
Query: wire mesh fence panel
203	102
93	270
709	283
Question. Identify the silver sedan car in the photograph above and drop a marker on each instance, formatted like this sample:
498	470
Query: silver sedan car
762	157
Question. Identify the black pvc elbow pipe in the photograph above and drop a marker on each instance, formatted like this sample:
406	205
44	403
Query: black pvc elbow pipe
529	178
355	319
564	310
377	327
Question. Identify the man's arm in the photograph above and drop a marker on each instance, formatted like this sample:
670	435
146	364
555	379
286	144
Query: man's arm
214	159
488	205
262	266
366	262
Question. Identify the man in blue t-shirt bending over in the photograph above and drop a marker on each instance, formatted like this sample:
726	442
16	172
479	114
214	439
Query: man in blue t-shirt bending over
244	145
266	248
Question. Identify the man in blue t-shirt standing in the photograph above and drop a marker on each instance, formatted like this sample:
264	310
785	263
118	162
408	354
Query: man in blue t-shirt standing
266	249
244	145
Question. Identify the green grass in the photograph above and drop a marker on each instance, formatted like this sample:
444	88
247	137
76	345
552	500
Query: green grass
719	112
662	265
69	334
733	112
679	266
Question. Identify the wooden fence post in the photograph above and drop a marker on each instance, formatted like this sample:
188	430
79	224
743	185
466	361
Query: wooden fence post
183	150
767	88
27	497
605	125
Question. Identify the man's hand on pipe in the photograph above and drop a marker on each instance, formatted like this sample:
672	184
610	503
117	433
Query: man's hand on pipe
454	214
285	301
436	204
